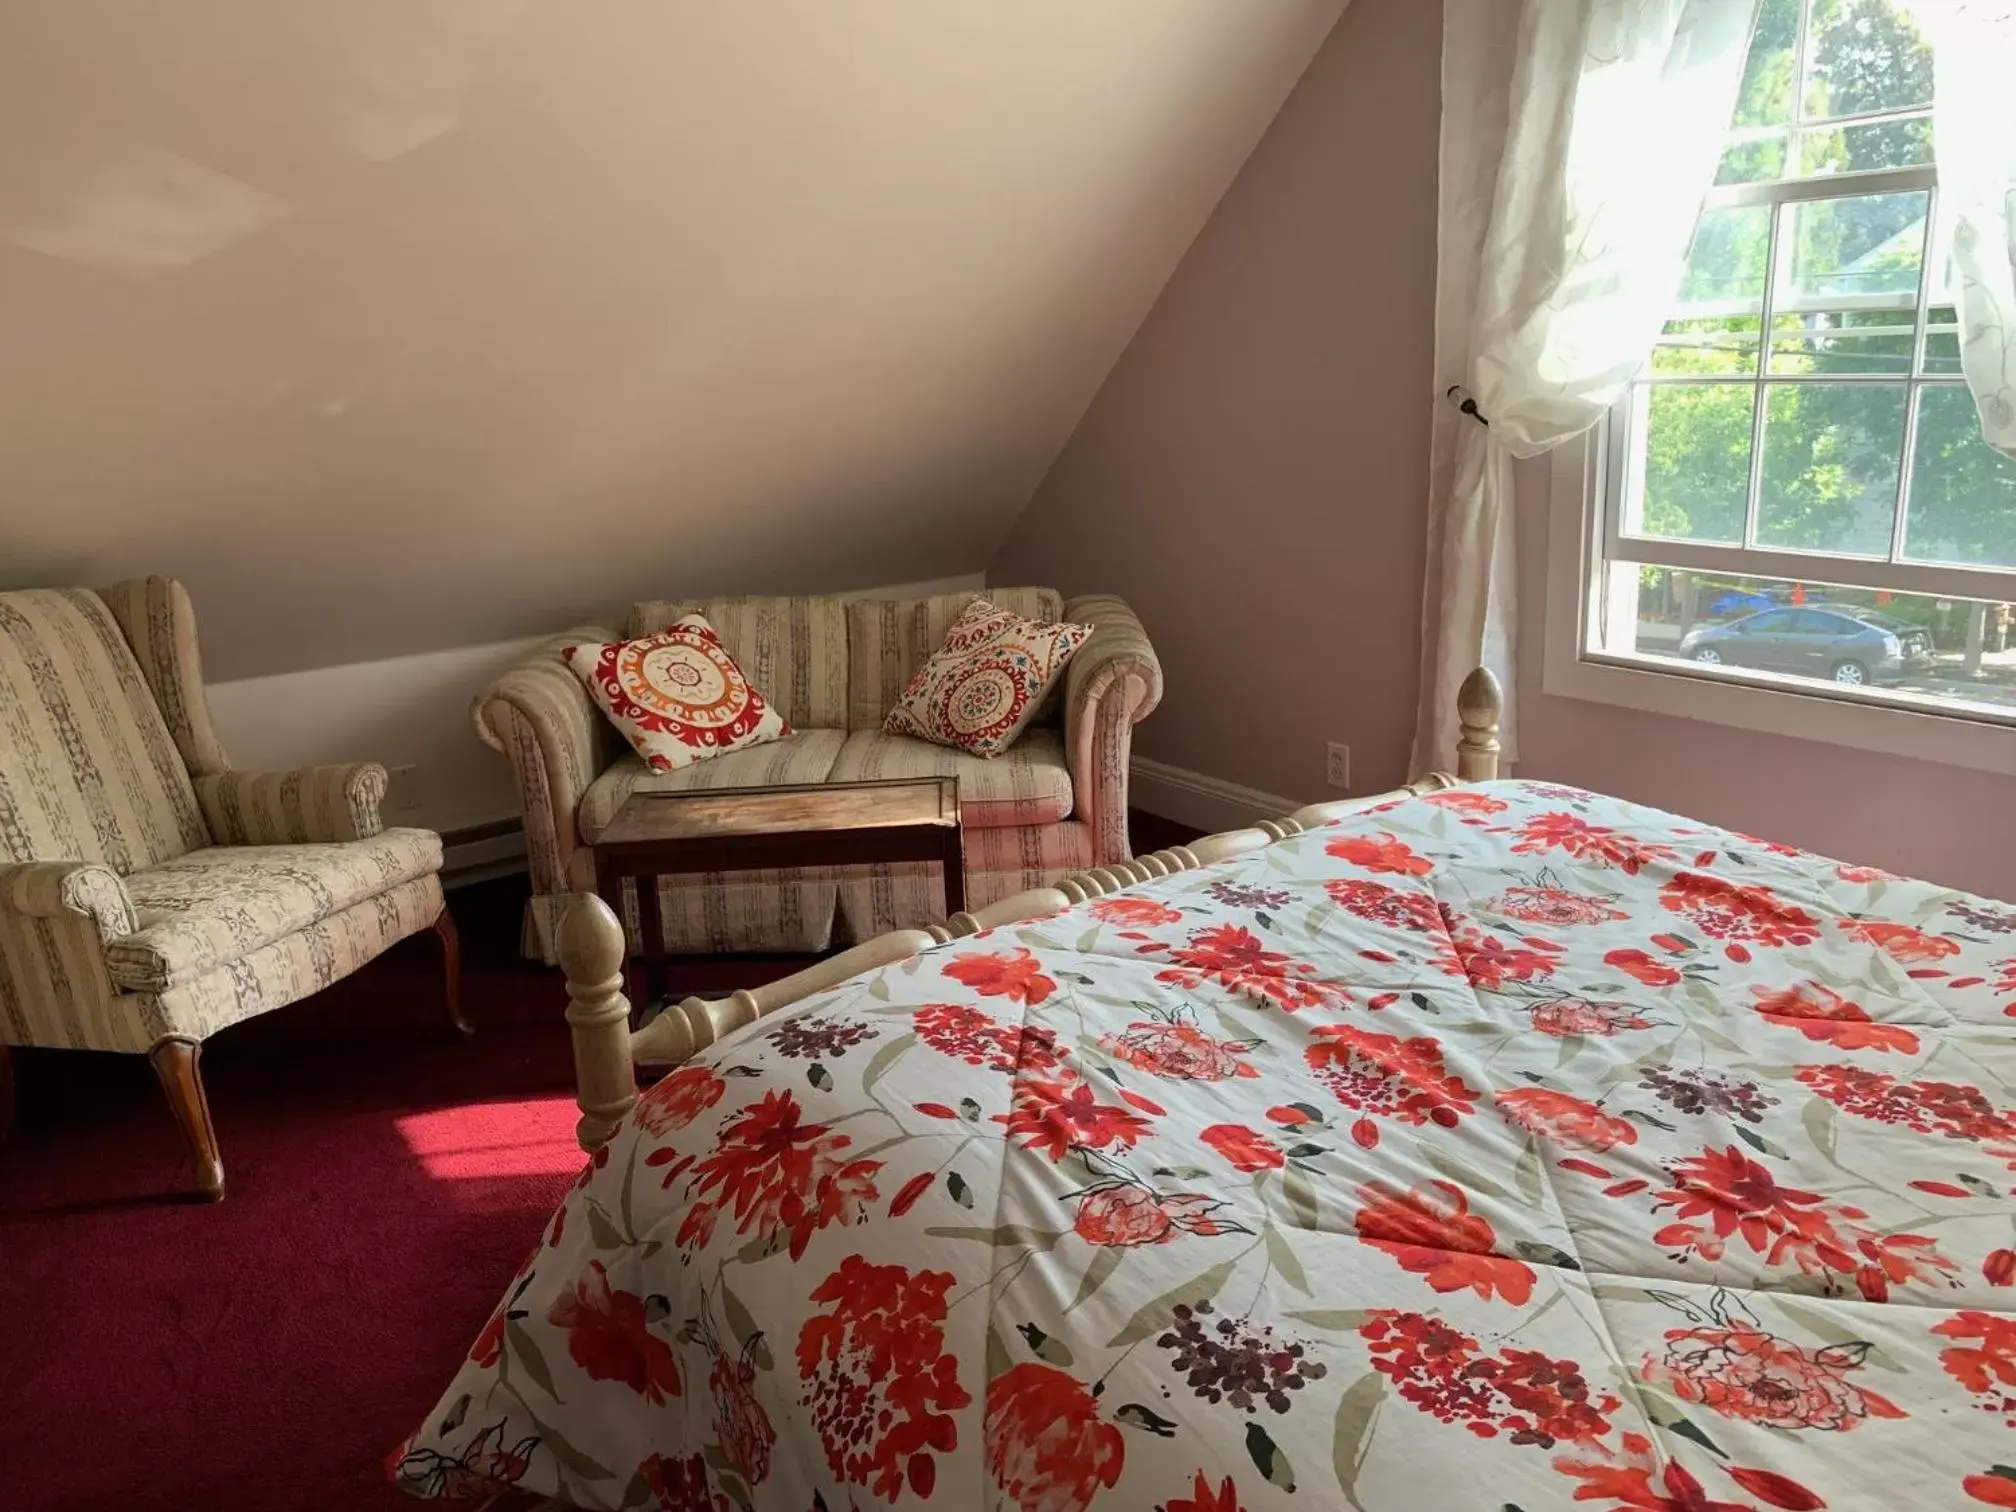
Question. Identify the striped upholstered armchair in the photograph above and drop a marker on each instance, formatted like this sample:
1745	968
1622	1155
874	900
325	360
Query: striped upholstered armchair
149	894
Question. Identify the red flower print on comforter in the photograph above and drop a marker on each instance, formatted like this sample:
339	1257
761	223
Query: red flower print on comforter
1742	1372
1735	912
1432	1232
1385	1076
1233	957
611	1339
776	1172
1820	1013
1014	974
881	1385
1047	1446
1508	1146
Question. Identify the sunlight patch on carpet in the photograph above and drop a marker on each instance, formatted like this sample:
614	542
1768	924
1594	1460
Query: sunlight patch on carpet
488	1141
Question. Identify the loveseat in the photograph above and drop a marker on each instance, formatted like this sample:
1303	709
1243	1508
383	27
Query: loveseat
1054	802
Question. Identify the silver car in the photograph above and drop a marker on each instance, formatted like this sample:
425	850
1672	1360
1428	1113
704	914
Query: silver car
1841	643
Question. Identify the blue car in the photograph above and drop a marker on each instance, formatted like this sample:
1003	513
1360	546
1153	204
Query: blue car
1749	600
1739	602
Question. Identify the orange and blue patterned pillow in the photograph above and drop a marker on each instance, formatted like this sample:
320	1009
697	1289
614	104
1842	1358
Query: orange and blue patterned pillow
982	687
678	697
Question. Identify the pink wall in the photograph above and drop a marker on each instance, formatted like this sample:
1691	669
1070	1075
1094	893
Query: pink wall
1251	477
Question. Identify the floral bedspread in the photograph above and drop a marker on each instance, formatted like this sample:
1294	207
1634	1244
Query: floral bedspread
1506	1148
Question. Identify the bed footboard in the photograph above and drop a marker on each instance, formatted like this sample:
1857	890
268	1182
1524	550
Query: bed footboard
592	944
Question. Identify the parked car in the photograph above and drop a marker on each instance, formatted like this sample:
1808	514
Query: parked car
1846	644
1737	601
1742	600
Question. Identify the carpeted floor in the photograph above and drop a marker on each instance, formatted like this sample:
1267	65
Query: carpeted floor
385	1179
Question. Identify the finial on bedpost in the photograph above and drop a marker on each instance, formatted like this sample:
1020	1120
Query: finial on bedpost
1479	702
592	950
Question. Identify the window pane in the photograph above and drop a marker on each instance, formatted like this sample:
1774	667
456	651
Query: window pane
1723	344
1951	651
1754	160
1856	149
1766	96
1866	56
1963	491
1727	264
1831	455
1942	340
1721	297
1858	248
1697	460
1845	341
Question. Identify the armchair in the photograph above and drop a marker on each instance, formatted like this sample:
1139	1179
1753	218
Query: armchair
150	895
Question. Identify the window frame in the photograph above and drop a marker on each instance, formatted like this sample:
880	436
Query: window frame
1590	650
1576	476
1750	558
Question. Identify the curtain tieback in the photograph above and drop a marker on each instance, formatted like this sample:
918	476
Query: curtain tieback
1460	397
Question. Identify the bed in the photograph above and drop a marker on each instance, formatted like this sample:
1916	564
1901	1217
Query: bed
1492	1145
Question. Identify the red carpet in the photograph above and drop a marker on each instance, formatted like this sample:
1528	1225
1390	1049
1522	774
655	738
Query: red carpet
385	1180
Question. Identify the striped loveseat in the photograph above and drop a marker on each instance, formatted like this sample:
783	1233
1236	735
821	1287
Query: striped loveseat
1056	801
150	895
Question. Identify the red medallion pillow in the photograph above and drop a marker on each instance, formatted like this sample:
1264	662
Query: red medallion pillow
677	696
981	688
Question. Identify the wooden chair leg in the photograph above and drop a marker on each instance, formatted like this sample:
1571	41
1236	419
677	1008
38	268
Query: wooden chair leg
451	969
7	1108
175	1063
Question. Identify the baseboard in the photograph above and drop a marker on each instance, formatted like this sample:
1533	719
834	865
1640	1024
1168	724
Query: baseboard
478	852
1206	803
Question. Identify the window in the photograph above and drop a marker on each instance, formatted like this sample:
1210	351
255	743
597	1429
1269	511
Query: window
1802	435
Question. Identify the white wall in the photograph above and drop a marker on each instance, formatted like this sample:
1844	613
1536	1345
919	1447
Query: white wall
393	326
404	711
408	711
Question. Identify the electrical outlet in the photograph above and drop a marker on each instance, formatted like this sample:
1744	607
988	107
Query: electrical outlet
1337	770
402	793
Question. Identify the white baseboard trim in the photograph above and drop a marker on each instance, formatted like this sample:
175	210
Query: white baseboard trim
1206	803
482	851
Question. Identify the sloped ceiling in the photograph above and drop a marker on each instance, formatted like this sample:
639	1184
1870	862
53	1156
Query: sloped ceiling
397	324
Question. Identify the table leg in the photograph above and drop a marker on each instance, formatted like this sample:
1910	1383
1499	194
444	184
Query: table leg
653	933
953	863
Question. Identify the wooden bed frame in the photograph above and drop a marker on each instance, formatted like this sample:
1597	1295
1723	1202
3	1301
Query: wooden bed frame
592	944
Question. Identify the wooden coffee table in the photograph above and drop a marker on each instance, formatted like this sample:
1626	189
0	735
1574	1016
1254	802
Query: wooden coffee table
748	829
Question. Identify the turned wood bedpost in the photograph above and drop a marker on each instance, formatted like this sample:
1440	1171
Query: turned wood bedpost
1479	702
592	948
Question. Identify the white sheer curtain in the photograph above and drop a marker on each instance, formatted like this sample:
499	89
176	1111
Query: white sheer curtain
1577	139
1974	144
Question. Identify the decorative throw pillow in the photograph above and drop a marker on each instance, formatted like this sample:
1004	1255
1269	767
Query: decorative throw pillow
982	687
677	696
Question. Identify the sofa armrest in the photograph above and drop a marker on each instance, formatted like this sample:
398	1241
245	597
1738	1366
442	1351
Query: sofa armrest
1112	684
56	919
315	805
539	714
69	891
